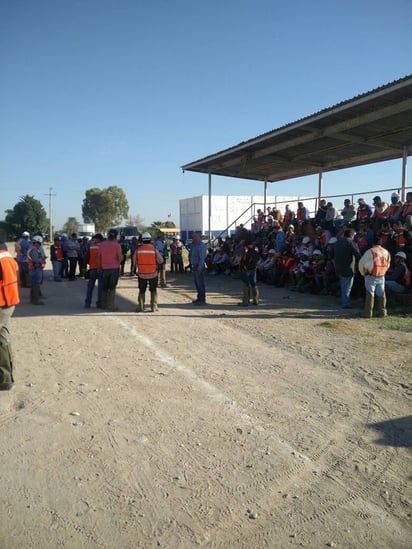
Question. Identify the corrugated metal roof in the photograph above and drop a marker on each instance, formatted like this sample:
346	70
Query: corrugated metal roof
370	127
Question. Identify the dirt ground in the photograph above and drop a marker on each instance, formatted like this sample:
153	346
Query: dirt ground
283	425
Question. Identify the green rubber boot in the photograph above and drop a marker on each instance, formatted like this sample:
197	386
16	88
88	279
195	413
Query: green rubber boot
369	303
140	302
382	306
246	296
255	295
153	301
6	368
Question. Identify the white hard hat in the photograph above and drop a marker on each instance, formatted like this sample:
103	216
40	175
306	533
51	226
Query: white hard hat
38	239
146	236
401	254
306	240
332	240
25	233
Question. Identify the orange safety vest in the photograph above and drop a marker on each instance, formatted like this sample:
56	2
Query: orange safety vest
399	238
322	240
288	217
393	208
9	286
407	209
146	259
300	214
93	255
30	260
58	251
407	276
363	212
381	261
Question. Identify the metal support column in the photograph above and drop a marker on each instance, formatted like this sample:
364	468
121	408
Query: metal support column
320	189
404	172
210	208
265	194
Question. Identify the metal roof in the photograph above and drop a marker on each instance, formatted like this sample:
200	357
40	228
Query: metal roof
371	127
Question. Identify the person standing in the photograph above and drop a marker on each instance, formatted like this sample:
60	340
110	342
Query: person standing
9	298
92	261
197	262
21	248
36	265
346	254
160	245
73	250
125	249
373	265
247	267
148	258
56	257
108	266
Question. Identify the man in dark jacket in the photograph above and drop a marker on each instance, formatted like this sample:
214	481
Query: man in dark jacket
346	254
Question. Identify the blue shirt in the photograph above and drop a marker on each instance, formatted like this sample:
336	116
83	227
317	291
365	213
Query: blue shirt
197	255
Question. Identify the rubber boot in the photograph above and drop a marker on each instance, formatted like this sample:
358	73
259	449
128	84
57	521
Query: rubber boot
6	368
35	296
104	299
153	301
369	302
255	295
140	302
246	296
382	306
111	294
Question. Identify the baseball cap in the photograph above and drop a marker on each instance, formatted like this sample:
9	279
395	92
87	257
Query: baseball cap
401	254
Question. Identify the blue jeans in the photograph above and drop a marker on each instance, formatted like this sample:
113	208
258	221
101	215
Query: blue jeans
249	278
57	267
110	279
36	276
375	285
346	283
93	276
199	278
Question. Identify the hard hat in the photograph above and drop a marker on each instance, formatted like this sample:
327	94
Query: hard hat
146	236
401	254
306	240
25	233
332	240
38	239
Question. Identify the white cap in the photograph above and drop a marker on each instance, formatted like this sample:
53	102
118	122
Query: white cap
306	240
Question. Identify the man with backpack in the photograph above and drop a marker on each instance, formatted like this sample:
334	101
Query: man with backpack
247	267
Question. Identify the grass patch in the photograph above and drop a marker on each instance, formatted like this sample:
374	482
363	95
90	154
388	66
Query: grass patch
397	323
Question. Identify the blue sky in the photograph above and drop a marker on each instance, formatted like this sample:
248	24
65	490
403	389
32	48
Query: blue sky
124	92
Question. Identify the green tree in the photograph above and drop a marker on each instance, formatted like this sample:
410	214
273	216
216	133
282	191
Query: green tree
105	207
71	226
27	215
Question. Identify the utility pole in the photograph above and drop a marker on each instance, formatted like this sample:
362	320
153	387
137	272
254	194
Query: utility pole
50	194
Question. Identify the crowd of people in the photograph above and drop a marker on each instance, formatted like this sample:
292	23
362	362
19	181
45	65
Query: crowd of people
323	254
320	254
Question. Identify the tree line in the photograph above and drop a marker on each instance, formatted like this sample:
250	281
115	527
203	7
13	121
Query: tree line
103	207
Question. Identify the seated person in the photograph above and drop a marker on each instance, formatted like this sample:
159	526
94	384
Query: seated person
398	278
266	267
348	212
220	262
